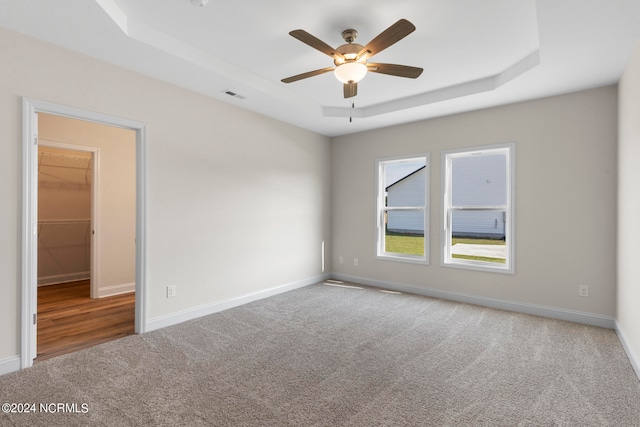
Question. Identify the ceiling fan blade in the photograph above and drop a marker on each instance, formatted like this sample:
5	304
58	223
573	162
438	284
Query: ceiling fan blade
315	43
391	35
350	89
395	70
307	74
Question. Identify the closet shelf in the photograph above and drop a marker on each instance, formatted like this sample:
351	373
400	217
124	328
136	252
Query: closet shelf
64	167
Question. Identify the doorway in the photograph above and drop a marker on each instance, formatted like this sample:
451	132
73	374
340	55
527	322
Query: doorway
108	281
74	310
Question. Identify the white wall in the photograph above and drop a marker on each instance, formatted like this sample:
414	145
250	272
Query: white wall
629	209
116	228
565	201
237	203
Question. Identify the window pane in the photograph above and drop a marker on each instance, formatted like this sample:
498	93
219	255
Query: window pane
478	216
479	235
405	232
479	180
484	224
402	186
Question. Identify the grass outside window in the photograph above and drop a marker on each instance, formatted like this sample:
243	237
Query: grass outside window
412	244
409	244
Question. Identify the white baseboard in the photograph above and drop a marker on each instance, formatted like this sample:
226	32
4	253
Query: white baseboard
9	365
205	310
64	278
633	357
518	307
123	288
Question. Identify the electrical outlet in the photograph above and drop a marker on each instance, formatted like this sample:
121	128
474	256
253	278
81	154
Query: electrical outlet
355	262
583	290
171	291
341	260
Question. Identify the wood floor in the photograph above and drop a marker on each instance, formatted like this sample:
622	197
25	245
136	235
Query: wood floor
68	320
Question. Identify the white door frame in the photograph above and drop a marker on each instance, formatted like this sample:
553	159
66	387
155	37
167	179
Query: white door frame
29	272
95	206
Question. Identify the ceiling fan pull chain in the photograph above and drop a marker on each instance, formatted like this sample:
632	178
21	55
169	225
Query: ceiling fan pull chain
353	104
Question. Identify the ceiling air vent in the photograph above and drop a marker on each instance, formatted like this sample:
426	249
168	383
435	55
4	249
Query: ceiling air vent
231	93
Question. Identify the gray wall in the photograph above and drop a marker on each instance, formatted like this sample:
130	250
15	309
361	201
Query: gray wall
565	201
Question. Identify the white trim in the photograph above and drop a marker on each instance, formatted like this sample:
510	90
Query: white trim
633	357
96	225
9	365
123	288
29	256
445	220
77	113
410	259
205	310
141	301
30	108
518	307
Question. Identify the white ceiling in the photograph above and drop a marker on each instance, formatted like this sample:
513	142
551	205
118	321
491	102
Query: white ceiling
475	54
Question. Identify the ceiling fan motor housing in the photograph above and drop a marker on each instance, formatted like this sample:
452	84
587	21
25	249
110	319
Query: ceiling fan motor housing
349	51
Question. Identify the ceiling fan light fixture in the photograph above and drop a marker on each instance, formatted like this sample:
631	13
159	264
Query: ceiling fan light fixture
350	72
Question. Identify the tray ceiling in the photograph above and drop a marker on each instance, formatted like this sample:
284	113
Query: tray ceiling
474	54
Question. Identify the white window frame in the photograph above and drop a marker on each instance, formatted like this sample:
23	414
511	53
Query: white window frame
447	260
381	209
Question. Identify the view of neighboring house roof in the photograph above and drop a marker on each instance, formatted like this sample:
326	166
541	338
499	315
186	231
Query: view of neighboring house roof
405	177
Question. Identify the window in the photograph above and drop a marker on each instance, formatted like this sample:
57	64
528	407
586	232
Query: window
478	208
402	218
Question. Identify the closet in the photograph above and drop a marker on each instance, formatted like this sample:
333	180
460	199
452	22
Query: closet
64	215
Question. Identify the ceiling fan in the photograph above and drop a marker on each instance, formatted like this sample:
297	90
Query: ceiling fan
351	59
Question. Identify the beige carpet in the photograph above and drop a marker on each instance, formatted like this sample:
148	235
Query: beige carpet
335	356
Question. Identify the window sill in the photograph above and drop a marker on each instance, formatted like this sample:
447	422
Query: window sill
479	266
403	258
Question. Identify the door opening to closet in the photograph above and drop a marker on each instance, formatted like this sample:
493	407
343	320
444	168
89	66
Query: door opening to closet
86	234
